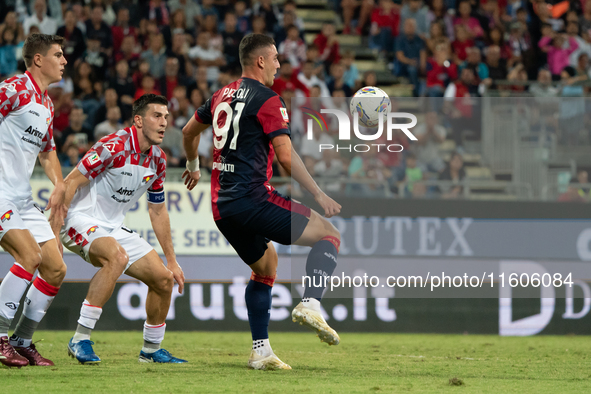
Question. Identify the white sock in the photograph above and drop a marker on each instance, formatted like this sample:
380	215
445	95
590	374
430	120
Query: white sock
12	288
262	347
153	337
311	303
89	315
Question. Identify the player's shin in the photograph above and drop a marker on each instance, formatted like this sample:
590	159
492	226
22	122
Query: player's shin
89	315
321	263
258	303
12	288
153	337
37	302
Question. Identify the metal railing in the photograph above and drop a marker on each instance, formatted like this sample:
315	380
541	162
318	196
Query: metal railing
518	190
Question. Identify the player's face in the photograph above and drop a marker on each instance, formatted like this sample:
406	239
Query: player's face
154	123
271	66
53	64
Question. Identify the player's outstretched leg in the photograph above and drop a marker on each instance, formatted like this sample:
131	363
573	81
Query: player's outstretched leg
108	254
325	240
25	250
151	270
52	271
258	303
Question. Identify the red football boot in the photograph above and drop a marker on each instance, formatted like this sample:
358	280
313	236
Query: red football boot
9	356
31	354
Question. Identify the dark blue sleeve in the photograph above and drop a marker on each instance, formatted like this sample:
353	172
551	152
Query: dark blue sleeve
203	113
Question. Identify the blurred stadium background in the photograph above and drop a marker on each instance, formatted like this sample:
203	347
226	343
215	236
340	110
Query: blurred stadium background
499	89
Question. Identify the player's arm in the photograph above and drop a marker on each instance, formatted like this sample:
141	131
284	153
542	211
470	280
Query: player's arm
292	163
73	182
161	225
55	205
191	136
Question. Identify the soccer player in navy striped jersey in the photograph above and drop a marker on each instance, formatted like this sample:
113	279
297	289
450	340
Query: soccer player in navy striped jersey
251	126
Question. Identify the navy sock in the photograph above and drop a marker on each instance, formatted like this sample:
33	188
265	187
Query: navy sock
258	303
321	263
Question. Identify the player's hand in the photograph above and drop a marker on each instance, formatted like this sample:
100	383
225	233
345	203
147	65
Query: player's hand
330	206
191	178
56	206
178	274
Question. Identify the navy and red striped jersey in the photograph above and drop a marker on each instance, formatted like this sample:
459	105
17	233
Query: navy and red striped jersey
246	115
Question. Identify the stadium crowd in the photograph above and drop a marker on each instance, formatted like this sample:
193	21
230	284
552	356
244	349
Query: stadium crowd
118	50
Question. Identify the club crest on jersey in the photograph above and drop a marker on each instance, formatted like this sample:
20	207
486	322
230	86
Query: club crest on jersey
93	159
147	179
6	216
284	114
91	230
48	120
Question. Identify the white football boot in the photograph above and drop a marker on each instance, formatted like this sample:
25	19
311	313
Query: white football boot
310	317
266	363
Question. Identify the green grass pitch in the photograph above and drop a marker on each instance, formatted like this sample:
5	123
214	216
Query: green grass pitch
362	363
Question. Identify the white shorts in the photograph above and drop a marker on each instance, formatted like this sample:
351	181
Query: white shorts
26	215
80	231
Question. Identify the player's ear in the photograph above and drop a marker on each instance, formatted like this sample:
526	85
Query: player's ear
37	60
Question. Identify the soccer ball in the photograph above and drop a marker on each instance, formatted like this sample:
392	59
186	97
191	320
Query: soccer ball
369	102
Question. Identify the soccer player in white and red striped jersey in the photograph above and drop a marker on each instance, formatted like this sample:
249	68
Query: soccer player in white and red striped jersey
105	185
26	132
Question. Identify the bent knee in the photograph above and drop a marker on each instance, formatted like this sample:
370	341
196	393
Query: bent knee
30	261
118	260
165	283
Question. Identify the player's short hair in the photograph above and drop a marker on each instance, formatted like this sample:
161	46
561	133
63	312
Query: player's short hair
39	43
250	44
140	106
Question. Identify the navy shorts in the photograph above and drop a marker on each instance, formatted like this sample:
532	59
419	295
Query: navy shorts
278	219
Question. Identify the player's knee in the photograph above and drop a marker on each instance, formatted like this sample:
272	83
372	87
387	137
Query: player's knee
30	261
60	272
331	231
165	283
119	260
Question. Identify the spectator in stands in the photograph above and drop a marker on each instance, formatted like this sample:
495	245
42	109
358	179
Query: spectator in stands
461	43
203	55
312	55
122	28
156	55
460	106
585	19
290	7
440	72
74	44
11	22
178	25
76	126
489	16
288	79
128	53
543	87
557	55
208	8
328	45
243	14
337	80
412	177
95	27
473	61
259	26
438	14
201	80
471	24
349	7
351	72
496	37
232	38
430	135
520	46
95	57
179	105
191	9
180	51
309	79
369	78
330	166
8	46
148	86
583	66
583	179
157	11
572	193
110	100
40	19
269	11
414	9
384	27
71	156
293	48
411	56
216	41
456	173
110	125
436	37
497	67
572	30
171	78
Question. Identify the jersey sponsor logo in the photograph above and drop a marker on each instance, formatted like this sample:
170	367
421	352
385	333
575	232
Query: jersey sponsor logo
30	141
6	216
147	179
91	230
223	167
93	159
235	93
34	132
48	120
120	200
125	191
126	173
284	114
34	113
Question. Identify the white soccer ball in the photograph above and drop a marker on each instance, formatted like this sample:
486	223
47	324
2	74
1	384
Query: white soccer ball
369	102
